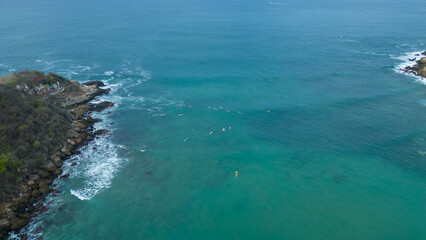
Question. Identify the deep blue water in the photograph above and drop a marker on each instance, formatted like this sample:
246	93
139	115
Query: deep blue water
328	138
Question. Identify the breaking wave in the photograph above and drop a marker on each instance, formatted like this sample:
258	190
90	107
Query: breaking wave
97	165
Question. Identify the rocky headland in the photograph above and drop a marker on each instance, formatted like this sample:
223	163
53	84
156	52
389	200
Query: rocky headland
44	119
419	66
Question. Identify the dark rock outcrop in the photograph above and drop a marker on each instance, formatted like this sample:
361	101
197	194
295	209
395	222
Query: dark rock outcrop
101	106
101	132
419	68
92	120
97	83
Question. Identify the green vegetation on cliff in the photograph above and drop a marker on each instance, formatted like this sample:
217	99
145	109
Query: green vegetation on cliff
30	129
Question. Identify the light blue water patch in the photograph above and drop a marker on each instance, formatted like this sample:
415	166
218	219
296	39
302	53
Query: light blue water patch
304	99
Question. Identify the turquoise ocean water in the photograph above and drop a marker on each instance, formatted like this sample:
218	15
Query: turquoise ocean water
329	140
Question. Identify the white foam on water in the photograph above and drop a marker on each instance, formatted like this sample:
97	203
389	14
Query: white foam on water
405	62
83	68
159	114
278	3
47	64
370	53
145	74
78	195
401	46
97	170
113	86
343	39
9	68
98	162
109	73
153	105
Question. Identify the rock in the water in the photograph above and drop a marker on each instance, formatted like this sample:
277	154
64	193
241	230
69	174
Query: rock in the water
101	106
89	119
101	132
38	230
97	83
419	68
67	175
102	91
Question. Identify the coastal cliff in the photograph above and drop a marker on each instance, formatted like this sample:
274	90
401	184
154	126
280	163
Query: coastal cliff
44	119
419	66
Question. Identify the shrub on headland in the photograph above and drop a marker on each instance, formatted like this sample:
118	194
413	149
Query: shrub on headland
30	129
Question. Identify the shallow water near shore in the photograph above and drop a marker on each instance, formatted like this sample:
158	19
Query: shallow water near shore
327	138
